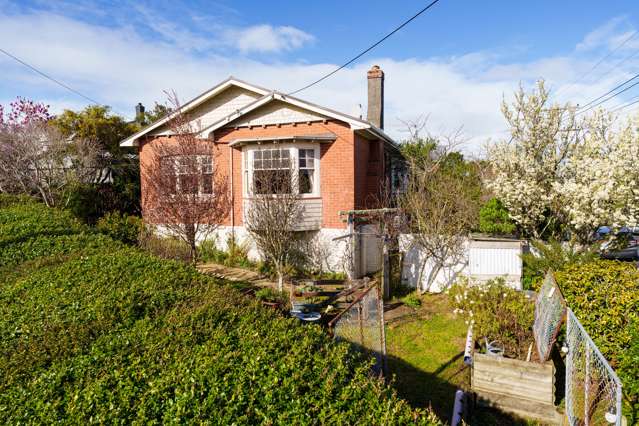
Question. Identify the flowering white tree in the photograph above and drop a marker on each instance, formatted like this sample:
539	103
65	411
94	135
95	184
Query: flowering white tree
527	166
599	185
558	170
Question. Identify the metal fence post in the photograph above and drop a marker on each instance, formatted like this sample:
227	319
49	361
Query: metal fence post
382	330
587	389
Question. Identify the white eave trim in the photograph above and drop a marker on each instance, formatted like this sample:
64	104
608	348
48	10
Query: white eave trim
324	138
132	140
353	122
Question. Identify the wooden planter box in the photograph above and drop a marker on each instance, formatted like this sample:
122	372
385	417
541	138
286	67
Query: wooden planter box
526	389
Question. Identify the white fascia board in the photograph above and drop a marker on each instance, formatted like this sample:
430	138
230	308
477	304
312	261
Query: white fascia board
353	123
132	140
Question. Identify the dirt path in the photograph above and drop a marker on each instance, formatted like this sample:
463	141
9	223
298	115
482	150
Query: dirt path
235	274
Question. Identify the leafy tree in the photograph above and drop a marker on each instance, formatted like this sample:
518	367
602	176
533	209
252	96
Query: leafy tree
36	159
159	111
116	184
494	218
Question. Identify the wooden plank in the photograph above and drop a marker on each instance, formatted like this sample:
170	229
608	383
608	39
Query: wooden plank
547	413
536	382
502	362
515	391
545	377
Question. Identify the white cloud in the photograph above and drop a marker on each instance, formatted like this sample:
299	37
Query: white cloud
266	38
120	67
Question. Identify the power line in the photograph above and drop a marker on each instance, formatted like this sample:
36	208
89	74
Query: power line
587	73
431	4
582	110
634	100
48	77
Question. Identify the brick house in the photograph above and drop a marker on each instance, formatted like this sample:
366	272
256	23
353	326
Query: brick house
343	161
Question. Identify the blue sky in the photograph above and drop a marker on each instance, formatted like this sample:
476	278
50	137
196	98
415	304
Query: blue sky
453	64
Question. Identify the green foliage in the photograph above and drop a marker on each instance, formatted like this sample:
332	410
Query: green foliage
20	222
115	335
494	218
550	256
236	256
270	295
412	300
95	123
7	200
604	295
165	247
122	191
121	227
419	149
498	313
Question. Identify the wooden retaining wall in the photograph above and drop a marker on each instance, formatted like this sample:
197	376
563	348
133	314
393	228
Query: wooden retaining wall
523	388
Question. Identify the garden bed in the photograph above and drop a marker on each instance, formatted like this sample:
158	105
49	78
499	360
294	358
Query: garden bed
520	387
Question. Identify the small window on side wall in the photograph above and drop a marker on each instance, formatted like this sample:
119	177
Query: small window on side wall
306	175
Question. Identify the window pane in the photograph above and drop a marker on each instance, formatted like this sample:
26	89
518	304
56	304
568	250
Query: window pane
206	164
306	181
302	162
207	184
188	184
271	182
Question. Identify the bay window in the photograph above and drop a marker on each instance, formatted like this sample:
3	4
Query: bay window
281	169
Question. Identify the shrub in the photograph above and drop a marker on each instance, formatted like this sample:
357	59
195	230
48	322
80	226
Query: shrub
120	336
494	218
498	313
270	295
550	256
236	256
19	222
604	295
412	300
121	227
165	247
7	200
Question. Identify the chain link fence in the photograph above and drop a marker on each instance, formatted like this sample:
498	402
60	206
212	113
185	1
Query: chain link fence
362	324
550	310
593	390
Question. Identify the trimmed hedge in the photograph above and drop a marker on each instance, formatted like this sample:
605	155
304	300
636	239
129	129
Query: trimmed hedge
102	333
604	294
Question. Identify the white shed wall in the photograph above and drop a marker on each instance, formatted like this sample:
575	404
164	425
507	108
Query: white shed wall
481	261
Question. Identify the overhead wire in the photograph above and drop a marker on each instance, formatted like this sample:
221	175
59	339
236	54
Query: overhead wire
368	49
48	77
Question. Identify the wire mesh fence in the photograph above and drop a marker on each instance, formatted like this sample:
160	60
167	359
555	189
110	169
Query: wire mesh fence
550	310
593	390
362	324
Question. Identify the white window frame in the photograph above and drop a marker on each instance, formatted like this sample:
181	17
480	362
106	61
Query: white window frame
294	148
201	164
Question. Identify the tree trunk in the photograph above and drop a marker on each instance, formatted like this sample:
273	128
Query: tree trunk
280	280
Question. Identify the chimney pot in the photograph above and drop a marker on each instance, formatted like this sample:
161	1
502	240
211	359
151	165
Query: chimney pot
375	113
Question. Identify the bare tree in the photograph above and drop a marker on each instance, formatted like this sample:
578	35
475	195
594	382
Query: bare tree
36	159
183	189
273	213
441	207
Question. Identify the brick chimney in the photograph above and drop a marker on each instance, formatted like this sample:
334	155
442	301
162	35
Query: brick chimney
375	112
139	112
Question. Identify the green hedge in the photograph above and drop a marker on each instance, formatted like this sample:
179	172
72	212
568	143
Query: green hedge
604	294
103	333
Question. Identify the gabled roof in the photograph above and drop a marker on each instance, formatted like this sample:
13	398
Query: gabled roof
268	96
355	123
198	100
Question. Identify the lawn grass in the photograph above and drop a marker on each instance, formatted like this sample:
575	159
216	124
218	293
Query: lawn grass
425	348
425	354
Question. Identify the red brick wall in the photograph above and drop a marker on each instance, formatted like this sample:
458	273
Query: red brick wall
350	175
369	171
